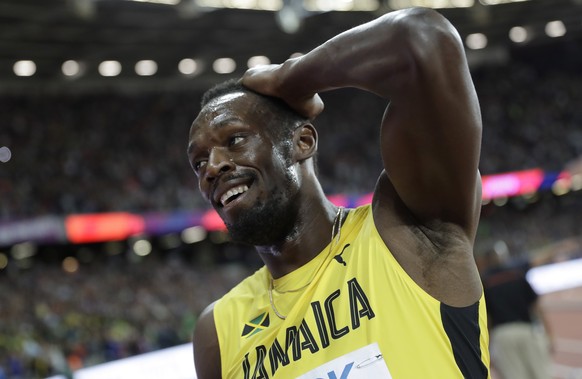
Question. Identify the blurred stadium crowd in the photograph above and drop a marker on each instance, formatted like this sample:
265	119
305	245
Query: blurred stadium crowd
110	152
54	323
114	152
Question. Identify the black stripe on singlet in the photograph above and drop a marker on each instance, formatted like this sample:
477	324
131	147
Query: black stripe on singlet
462	328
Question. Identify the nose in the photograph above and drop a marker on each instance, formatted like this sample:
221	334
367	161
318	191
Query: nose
218	163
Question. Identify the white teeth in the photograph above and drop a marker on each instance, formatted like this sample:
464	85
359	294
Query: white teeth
231	192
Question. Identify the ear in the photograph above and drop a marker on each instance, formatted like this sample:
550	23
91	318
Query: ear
304	142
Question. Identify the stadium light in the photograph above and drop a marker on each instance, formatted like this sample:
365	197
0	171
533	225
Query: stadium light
5	154
188	66
142	247
344	5
518	34
576	182
23	250
146	67
290	17
193	234
109	68
265	5
71	68
224	65
258	60
24	68
561	187
70	265
476	41
436	4
308	5
166	2
440	4
497	2
555	29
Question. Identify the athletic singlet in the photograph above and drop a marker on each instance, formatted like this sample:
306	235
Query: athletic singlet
360	316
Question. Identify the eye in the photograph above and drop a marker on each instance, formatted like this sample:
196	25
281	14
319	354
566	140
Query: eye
235	140
197	166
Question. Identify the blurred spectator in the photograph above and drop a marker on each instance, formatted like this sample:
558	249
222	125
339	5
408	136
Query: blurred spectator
519	332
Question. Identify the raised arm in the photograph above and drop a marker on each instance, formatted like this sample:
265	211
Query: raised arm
431	132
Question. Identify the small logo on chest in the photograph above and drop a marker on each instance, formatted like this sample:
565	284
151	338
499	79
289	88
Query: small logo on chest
339	258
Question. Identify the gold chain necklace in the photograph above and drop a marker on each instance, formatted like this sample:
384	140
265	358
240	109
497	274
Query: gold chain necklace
335	231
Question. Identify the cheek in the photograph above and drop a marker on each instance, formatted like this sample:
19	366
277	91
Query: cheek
283	163
292	176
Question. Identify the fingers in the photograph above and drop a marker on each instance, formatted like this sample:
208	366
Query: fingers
267	80
261	79
310	108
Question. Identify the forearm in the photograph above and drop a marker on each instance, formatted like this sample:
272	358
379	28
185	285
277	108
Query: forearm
380	56
430	134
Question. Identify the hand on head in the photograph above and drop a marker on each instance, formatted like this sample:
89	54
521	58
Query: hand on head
270	80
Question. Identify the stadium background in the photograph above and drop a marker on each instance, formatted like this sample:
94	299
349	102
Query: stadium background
106	249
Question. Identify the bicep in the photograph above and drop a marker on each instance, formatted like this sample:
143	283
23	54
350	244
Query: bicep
206	347
431	135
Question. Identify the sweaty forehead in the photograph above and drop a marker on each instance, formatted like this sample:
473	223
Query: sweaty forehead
225	98
239	106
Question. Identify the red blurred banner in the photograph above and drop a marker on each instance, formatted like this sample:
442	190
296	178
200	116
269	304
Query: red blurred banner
87	228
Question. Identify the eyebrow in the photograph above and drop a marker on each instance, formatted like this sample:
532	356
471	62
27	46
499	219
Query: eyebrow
228	121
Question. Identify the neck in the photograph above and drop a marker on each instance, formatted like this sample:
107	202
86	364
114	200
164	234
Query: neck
310	235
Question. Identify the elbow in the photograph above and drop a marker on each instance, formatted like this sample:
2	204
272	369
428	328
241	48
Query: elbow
430	36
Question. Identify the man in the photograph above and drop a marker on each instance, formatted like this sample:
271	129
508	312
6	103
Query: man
388	290
520	333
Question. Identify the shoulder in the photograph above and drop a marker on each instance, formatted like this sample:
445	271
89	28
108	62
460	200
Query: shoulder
229	311
207	357
218	321
206	346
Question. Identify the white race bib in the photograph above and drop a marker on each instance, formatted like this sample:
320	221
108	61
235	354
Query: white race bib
364	363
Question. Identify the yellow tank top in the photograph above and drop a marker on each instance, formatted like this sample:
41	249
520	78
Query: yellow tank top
360	316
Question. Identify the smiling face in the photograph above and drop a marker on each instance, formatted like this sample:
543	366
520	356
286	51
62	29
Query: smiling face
249	178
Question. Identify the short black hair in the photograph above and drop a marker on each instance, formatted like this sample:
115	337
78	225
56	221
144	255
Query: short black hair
228	86
286	117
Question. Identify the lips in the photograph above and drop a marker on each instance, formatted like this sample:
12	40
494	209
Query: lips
229	188
232	193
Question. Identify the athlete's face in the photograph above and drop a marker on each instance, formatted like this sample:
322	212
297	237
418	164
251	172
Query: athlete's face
246	177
